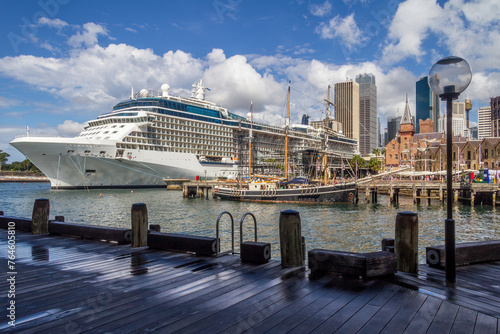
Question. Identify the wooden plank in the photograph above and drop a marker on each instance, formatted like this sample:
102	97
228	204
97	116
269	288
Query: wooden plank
174	301
288	307
249	312
334	306
405	314
425	316
180	320
117	307
77	285
341	316
444	319
485	324
363	315
465	321
376	323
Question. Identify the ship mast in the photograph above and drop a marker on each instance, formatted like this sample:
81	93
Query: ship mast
250	144
325	158
287	123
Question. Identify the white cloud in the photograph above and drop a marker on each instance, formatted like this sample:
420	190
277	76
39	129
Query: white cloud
97	76
70	128
6	103
89	35
344	28
411	24
52	23
321	10
234	83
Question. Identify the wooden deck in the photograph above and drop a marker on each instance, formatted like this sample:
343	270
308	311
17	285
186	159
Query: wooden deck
66	285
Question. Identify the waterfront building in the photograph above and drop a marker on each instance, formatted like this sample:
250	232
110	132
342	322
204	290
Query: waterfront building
426	126
427	103
398	150
368	125
347	108
484	127
495	116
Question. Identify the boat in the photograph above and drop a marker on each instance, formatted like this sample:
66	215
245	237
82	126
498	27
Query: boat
154	135
290	192
296	190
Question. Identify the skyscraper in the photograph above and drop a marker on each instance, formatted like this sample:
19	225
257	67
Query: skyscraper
392	127
495	116
347	107
484	118
427	104
368	126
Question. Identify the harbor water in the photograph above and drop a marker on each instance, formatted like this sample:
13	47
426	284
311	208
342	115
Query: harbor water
355	228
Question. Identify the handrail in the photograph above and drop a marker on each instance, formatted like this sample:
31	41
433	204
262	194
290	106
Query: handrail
241	226
217	249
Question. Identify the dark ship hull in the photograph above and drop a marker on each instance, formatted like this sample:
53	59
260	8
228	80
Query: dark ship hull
331	194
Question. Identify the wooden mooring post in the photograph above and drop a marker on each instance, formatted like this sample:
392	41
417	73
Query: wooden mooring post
292	251
40	217
406	241
139	225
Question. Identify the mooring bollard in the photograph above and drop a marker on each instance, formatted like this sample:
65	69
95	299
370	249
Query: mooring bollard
139	225
292	254
406	241
155	227
40	216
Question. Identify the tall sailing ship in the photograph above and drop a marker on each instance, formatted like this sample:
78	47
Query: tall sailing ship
297	190
154	136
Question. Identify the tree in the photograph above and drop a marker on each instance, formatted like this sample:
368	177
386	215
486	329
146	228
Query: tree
3	157
376	151
374	164
360	160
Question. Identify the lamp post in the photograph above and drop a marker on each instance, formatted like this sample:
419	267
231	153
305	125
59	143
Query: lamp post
448	78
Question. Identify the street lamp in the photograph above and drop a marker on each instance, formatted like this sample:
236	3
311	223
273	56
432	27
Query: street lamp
448	78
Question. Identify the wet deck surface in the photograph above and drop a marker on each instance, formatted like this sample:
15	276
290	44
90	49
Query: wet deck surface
66	285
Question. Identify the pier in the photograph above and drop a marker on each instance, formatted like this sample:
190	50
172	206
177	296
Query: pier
466	193
73	284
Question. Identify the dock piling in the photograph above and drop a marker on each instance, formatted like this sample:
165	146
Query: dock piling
139	225
40	217
406	241
292	254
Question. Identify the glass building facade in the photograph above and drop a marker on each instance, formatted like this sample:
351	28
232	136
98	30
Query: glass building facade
427	104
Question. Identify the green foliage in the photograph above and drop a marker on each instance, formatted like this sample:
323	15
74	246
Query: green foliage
3	157
376	151
22	166
374	164
360	160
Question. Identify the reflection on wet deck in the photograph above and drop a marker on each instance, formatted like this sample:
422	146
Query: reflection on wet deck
72	285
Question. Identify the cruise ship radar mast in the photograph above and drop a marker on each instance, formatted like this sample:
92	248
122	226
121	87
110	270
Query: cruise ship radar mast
198	91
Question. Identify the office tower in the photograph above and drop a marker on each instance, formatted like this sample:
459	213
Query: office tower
427	104
484	127
457	125
368	126
473	132
347	107
495	116
393	127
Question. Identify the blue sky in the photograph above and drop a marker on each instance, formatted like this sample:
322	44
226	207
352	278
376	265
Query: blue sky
64	62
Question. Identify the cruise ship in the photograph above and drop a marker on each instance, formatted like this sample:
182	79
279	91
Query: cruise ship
154	136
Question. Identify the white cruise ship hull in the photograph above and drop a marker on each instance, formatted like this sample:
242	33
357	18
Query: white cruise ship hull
94	169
